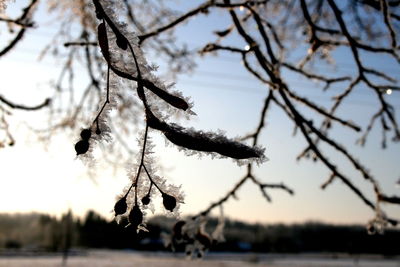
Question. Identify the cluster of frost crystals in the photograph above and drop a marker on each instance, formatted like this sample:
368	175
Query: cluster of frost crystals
162	109
192	235
125	62
195	230
143	182
104	133
100	131
378	224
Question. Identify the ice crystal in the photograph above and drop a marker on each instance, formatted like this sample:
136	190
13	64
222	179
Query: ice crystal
378	224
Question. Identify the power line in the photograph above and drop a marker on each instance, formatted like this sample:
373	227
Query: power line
343	65
246	90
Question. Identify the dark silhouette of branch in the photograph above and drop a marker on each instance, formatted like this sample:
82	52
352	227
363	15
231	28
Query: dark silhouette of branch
24	20
45	103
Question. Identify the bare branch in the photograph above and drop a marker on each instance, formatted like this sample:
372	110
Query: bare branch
45	103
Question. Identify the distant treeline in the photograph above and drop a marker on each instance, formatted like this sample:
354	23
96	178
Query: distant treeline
44	232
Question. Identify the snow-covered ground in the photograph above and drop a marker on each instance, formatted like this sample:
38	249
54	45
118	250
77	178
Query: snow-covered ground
105	258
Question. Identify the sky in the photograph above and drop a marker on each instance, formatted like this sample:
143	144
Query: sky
50	179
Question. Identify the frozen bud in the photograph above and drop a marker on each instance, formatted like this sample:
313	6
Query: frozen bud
169	202
328	125
223	33
122	42
86	133
135	217
146	199
82	147
120	207
98	131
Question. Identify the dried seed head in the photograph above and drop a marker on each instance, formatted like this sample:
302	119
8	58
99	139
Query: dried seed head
169	202
135	217
86	134
146	199
120	207
82	147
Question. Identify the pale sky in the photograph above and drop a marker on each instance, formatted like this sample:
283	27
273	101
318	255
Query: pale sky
51	180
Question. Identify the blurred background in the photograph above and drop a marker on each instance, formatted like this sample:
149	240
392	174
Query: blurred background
51	201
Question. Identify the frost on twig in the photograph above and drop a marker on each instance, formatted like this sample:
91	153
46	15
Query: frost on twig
125	60
209	142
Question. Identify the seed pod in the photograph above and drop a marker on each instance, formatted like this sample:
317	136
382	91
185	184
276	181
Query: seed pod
82	147
85	134
120	207
103	41
169	202
146	199
135	217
